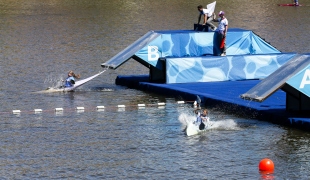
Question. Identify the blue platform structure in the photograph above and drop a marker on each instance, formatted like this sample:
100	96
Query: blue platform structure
254	79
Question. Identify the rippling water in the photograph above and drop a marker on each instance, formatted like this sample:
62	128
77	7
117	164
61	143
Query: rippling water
41	40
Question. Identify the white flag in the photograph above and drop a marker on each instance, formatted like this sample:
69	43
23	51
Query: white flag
211	7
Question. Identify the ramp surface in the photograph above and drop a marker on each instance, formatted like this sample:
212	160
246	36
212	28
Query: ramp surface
128	52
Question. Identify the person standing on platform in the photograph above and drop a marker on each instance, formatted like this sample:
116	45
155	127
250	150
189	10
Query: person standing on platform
220	40
207	17
296	3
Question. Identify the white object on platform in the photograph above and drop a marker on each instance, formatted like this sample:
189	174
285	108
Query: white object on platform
211	7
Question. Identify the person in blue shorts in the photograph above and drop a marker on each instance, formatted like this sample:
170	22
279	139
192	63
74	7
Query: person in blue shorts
70	81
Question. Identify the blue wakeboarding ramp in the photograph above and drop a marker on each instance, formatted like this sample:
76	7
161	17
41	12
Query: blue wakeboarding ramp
188	43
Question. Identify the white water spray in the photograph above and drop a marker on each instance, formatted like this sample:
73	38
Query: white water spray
226	124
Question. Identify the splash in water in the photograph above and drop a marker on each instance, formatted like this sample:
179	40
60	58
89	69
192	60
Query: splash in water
186	118
54	82
226	124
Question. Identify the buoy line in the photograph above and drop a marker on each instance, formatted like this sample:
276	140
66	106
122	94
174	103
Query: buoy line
97	108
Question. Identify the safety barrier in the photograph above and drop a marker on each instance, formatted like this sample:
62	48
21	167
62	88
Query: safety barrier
97	108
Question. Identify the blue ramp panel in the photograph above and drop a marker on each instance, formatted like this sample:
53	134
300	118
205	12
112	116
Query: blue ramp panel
277	79
216	68
241	42
301	81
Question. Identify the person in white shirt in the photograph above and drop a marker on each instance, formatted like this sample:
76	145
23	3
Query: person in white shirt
222	32
207	17
202	118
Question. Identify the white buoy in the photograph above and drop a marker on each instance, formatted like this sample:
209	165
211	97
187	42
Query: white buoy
161	104
121	106
100	108
80	108
59	109
16	111
141	105
180	102
37	110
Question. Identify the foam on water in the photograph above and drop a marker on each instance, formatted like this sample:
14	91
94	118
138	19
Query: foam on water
226	124
186	118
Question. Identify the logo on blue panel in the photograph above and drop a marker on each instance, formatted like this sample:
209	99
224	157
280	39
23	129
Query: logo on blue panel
152	53
305	79
301	81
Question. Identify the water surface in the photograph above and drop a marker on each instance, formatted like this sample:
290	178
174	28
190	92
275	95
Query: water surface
40	41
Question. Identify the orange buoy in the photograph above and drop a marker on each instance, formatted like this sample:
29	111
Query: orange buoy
266	165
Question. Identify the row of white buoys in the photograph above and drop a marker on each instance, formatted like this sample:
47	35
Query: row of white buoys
99	108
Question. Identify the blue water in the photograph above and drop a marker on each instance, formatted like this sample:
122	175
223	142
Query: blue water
40	41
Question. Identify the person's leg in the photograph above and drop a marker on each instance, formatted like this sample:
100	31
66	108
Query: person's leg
220	37
209	23
216	45
224	49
